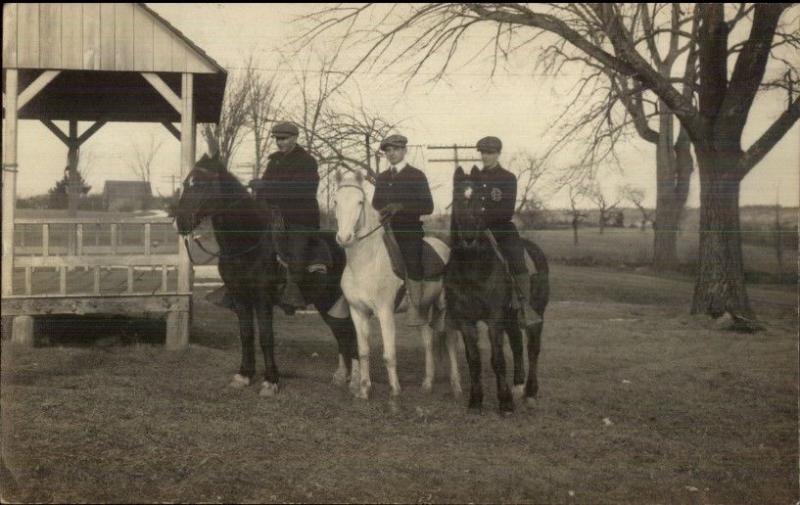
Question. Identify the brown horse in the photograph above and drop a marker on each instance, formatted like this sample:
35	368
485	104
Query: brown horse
478	288
249	267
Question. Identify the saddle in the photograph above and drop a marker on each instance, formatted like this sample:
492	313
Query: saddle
435	255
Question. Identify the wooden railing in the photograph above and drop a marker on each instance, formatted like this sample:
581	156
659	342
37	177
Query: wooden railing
75	253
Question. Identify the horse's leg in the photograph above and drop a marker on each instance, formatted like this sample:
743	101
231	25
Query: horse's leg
388	334
504	397
430	371
534	346
470	335
247	368
361	322
452	351
511	326
266	336
345	335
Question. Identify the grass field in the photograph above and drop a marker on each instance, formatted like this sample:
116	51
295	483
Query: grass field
617	246
639	402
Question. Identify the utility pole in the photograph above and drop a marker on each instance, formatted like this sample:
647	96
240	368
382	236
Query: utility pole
456	160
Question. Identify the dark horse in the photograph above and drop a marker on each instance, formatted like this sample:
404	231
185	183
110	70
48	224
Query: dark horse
478	288
249	267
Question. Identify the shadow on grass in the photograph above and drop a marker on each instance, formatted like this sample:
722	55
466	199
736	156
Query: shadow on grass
95	330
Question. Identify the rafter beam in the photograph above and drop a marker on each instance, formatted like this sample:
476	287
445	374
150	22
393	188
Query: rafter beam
171	128
89	132
164	90
63	137
36	86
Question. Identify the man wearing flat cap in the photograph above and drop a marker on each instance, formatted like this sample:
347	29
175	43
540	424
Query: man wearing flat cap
497	189
402	195
290	184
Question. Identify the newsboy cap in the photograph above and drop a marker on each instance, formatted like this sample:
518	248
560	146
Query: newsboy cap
395	140
489	144
284	129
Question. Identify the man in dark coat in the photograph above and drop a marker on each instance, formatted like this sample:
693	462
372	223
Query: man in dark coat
289	184
403	193
497	189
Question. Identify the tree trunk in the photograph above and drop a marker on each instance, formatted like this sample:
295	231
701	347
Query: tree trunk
602	222
674	168
720	285
575	232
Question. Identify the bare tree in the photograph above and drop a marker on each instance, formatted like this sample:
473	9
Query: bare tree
143	156
263	107
636	197
225	136
336	130
529	171
670	33
604	203
576	192
713	123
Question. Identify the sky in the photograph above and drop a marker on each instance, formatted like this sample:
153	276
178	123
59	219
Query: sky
518	105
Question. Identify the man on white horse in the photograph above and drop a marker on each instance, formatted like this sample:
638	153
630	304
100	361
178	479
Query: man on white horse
402	195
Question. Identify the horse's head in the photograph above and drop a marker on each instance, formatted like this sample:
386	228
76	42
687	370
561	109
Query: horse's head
350	202
467	210
201	193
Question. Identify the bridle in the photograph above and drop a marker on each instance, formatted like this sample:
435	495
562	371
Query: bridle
362	212
214	255
463	242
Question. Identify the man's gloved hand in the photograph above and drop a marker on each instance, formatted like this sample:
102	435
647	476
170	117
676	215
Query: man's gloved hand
257	185
391	209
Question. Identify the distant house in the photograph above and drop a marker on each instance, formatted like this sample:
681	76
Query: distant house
126	195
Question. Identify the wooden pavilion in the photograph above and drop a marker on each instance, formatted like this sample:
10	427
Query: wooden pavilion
98	63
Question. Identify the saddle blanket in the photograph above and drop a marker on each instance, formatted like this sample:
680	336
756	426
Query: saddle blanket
435	255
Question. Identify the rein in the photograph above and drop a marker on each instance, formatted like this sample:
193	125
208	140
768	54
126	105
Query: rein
382	221
218	255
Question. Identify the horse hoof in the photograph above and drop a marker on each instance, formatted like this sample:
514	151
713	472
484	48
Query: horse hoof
339	378
268	390
362	392
456	388
531	402
427	386
239	382
394	406
518	391
506	408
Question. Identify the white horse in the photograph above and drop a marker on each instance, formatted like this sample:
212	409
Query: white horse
370	287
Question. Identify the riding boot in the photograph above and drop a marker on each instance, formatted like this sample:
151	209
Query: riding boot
529	316
415	317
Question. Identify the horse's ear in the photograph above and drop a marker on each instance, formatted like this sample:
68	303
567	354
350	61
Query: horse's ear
474	171
459	173
202	163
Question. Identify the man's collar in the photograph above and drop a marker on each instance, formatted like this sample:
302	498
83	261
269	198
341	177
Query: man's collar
296	148
493	167
400	166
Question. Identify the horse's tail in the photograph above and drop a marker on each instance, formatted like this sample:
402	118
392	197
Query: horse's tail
439	337
540	281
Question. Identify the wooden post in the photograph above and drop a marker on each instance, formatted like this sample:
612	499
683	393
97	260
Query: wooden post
22	326
9	178
178	322
73	184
